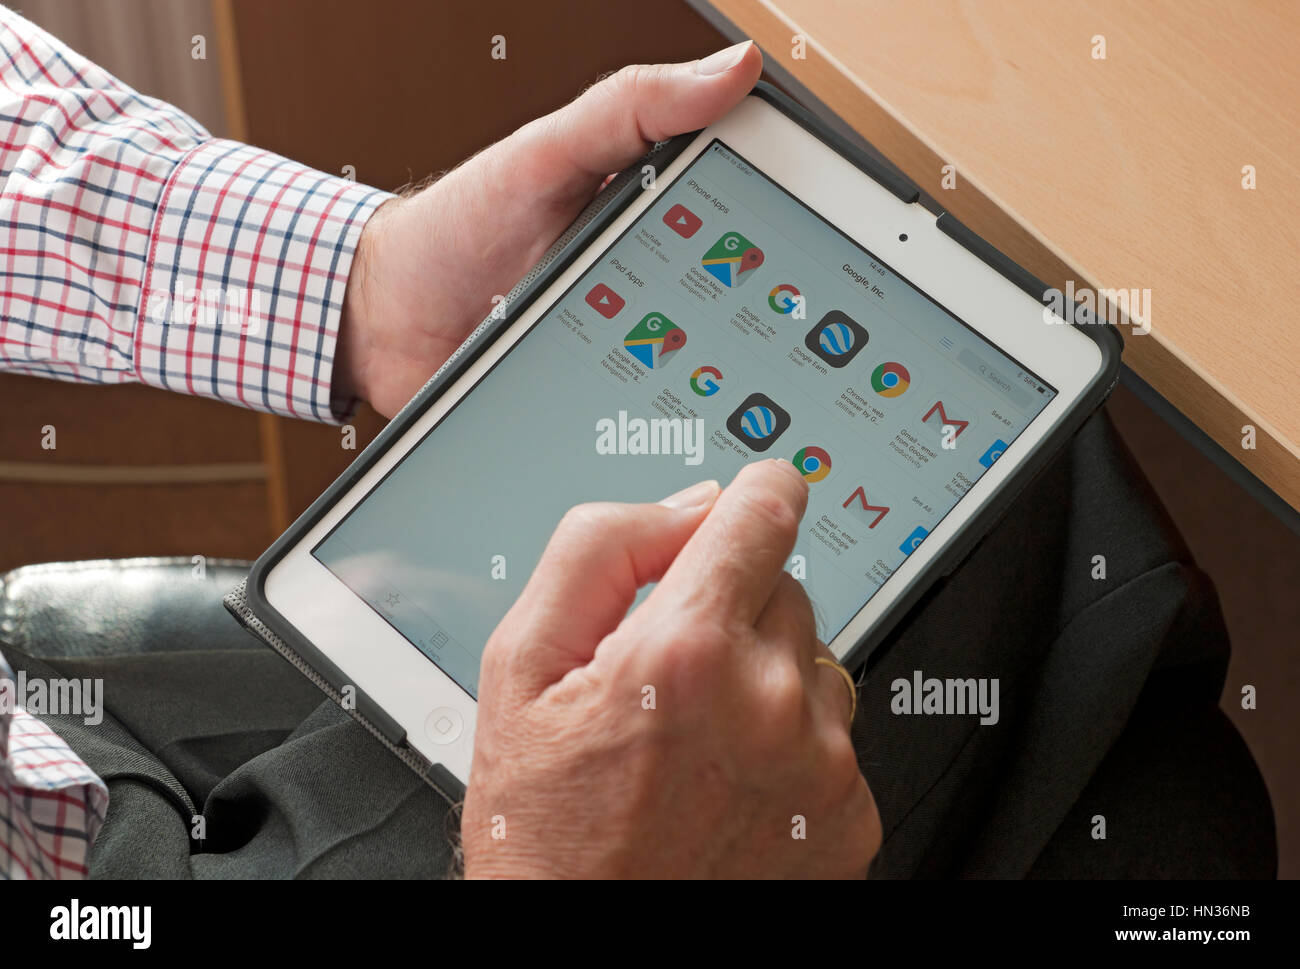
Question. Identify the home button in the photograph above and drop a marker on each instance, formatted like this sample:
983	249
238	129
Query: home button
444	725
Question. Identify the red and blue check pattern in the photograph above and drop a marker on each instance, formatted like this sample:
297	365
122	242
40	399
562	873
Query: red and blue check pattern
136	247
51	804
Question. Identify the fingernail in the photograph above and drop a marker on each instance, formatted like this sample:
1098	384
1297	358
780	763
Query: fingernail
724	60
696	496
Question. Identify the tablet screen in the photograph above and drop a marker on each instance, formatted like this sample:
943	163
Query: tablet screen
728	323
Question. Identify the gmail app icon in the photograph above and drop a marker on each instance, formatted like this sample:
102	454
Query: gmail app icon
947	417
865	508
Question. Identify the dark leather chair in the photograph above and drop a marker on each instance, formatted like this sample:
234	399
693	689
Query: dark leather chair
112	606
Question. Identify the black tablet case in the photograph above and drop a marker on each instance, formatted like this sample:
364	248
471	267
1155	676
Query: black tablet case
248	603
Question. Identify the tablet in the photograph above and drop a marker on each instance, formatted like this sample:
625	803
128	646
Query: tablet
767	292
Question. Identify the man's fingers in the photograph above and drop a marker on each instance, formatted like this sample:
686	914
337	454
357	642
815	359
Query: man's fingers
787	621
788	626
617	120
731	565
588	577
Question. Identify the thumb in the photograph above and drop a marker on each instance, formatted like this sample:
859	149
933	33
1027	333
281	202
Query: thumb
599	557
617	120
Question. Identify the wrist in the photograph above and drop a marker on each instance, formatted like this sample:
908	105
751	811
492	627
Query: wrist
354	344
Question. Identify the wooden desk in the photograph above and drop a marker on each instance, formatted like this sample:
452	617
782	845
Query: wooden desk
1122	173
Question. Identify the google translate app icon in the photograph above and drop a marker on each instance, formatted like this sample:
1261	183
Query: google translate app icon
732	259
993	453
912	541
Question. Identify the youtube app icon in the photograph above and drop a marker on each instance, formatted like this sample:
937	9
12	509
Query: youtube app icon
605	301
683	221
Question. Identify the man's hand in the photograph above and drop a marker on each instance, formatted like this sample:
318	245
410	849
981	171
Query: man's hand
687	739
427	266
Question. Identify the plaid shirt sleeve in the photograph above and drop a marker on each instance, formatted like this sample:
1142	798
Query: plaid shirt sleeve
51	804
136	247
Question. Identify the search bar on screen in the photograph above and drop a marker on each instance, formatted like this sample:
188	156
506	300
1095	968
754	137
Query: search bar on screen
994	377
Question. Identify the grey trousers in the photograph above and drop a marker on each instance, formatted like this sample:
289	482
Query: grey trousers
1108	708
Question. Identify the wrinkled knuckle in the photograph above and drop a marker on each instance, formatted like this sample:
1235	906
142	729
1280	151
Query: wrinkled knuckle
625	88
496	654
583	520
490	662
547	128
638	79
793	592
697	652
770	512
624	80
784	697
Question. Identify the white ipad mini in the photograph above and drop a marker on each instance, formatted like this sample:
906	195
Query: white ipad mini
764	297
